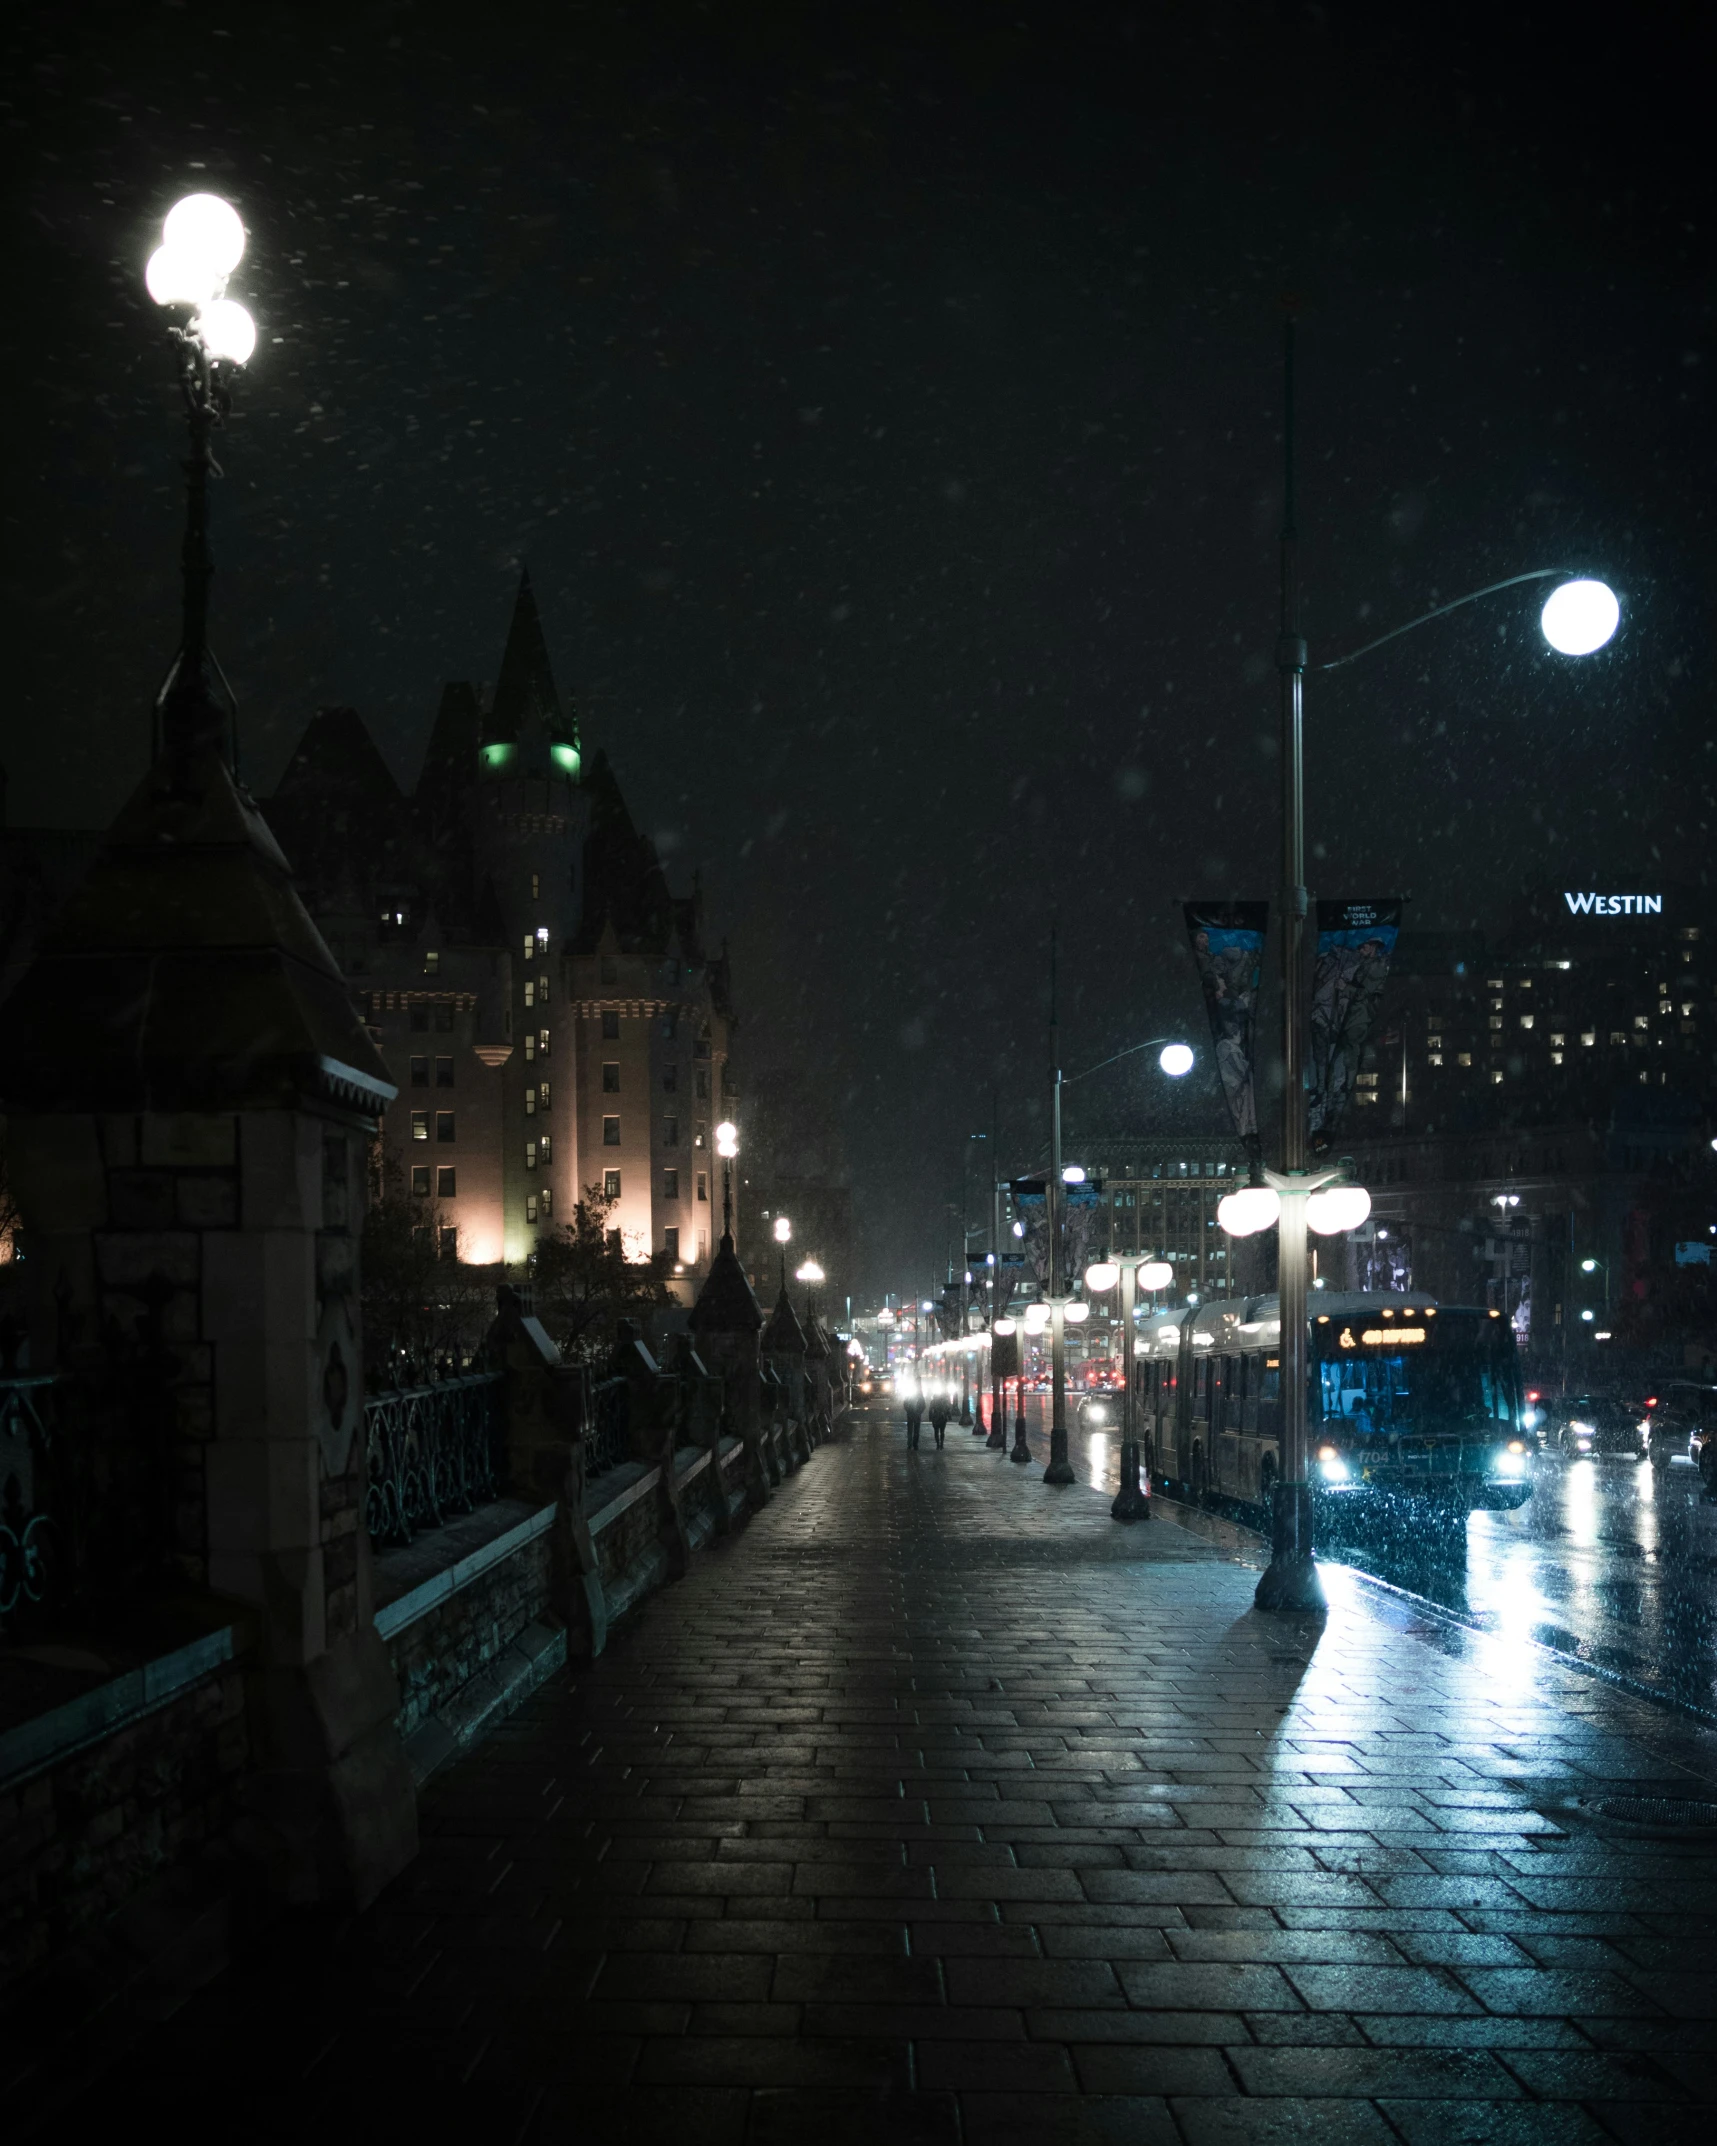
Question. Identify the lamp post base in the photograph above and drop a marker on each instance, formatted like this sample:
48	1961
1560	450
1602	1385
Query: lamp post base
1291	1582
1131	1503
1021	1451
1060	1469
997	1440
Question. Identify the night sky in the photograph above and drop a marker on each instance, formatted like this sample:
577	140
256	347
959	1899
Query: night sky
886	403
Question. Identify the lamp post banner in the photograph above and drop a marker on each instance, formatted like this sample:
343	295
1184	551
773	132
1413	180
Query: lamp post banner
1228	947
1355	942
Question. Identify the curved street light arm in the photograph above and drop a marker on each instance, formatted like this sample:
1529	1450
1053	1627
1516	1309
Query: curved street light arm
1514	581
1068	1078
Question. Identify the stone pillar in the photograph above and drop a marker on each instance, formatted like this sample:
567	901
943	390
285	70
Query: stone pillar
652	1417
819	1354
784	1352
725	1322
189	1093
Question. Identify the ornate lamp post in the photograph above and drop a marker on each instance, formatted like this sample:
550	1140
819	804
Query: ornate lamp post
202	242
1133	1270
783	1235
727	1147
1578	619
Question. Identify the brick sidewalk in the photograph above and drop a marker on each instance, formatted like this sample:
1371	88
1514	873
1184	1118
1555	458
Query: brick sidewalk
934	1805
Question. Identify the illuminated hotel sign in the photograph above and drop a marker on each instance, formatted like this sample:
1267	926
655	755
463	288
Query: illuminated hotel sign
1614	905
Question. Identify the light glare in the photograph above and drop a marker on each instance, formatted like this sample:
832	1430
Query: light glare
1337	1208
1102	1274
175	279
1155	1274
227	330
1246	1212
1176	1060
1579	617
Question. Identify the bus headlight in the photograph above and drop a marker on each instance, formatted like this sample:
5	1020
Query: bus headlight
1333	1467
1528	1419
1513	1461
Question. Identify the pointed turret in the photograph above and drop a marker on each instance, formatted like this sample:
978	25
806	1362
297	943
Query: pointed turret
784	1336
526	711
726	1303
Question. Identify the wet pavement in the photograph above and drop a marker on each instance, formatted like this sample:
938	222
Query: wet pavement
1607	1561
932	1805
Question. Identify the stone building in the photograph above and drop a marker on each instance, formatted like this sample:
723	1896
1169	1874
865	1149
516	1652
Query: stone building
543	1000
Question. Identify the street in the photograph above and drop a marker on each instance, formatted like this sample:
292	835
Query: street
1606	1561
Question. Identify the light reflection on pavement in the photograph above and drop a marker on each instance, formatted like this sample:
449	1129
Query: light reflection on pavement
1606	1560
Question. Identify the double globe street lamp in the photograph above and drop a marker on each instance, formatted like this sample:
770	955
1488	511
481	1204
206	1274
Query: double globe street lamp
1579	617
1134	1271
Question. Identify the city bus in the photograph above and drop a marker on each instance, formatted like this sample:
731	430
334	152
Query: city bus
1406	1398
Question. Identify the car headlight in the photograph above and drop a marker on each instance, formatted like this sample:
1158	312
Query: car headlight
1581	1430
1528	1418
1512	1462
1335	1469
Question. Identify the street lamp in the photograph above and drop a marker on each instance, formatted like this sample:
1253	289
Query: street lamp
783	1234
1578	619
727	1147
202	242
1131	1501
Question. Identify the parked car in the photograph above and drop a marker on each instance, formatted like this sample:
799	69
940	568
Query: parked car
1585	1424
1676	1419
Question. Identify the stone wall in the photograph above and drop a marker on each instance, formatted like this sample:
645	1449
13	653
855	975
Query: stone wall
438	1654
84	1836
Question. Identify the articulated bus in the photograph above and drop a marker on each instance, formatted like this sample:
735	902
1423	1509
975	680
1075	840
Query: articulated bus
1406	1398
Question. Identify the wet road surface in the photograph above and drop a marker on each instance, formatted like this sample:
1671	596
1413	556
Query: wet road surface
1606	1561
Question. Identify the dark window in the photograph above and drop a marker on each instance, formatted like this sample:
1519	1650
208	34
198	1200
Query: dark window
670	1080
611	1079
700	1049
536	887
542	990
530	1206
420	1180
611	1027
420	1072
670	1132
671	1243
611	1184
419	1015
703	1186
670	1024
444	1018
444	1072
609	971
444	1125
431	963
446	1183
703	1082
670	1184
450	1244
420	1125
611	1132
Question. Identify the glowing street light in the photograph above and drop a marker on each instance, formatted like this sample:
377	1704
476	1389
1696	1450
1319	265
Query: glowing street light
1579	617
1176	1060
727	1147
810	1272
1155	1274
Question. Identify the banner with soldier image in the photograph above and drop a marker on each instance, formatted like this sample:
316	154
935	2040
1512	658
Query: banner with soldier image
1228	948
1355	942
1081	1209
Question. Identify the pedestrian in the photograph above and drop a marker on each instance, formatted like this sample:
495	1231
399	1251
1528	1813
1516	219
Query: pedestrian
939	1414
914	1417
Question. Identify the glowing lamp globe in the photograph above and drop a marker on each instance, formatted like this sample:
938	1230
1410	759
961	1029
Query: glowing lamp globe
727	1140
1176	1060
1077	1312
1337	1208
1073	1175
809	1272
1004	1327
206	230
1155	1274
227	330
783	1229
1102	1274
175	279
1579	617
1036	1318
1246	1212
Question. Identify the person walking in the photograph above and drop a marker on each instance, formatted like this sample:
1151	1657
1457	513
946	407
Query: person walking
939	1413
914	1416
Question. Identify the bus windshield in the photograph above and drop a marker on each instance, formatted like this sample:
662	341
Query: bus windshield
1450	1389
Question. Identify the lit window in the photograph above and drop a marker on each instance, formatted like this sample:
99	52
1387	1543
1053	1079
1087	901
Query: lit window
1588	1036
670	1132
700	1137
1686	1008
542	1095
671	1243
1496	1077
1618	1035
1556	1058
1493	983
542	938
611	1027
420	1125
542	1041
670	1184
1527	1019
1664	1006
545	1143
1433	1043
1463	1058
420	1180
1642	1020
1434	1058
530	1154
1496	1021
420	1072
611	1184
703	1185
542	989
530	1206
530	992
611	1132
530	1046
611	1078
1558	1040
431	963
530	946
548	1201
530	1102
446	1184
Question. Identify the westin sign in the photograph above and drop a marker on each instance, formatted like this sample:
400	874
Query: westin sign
1614	905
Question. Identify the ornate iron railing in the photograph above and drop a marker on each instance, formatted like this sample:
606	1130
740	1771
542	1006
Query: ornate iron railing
607	1426
31	1552
434	1452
